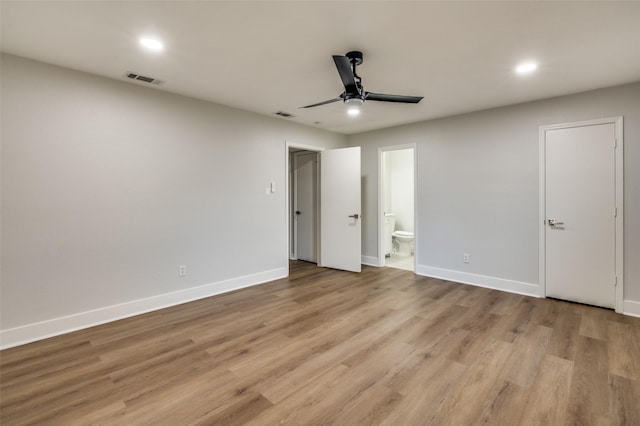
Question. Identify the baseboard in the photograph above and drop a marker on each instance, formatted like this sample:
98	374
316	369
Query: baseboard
502	284
54	327
631	308
369	260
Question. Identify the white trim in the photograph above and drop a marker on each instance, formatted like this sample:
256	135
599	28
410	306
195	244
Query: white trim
370	260
619	123
619	167
542	212
495	283
62	325
380	215
293	230
380	212
631	308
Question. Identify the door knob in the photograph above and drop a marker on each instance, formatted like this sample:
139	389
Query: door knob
298	212
355	216
554	222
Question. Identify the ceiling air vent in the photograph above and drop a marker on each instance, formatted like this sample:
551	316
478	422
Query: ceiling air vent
143	78
284	114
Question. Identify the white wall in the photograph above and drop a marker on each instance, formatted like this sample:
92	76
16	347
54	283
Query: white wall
399	170
386	182
477	187
108	186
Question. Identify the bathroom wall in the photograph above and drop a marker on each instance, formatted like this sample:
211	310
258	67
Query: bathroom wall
478	187
400	175
386	183
107	187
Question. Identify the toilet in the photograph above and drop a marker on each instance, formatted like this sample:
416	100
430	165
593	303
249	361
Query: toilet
405	242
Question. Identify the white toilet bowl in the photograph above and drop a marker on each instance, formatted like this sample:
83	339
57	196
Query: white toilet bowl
405	242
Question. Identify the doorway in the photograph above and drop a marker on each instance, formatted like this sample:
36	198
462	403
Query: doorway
581	211
397	240
304	206
331	186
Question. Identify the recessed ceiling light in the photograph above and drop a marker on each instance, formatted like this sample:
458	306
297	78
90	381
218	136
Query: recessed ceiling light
152	44
353	111
526	67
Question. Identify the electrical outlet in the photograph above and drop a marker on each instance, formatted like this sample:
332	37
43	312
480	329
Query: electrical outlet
182	270
465	258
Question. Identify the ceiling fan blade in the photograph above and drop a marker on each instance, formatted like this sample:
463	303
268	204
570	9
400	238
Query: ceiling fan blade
370	96
339	98
346	73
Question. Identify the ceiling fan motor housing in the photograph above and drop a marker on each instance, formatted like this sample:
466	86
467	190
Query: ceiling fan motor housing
354	56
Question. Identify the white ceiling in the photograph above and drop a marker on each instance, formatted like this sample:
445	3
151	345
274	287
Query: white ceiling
270	56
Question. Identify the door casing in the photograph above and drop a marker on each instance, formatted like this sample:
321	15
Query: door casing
619	203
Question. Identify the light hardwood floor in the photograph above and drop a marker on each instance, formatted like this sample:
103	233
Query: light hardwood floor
330	347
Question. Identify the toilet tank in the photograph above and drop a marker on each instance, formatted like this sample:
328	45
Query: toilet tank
389	227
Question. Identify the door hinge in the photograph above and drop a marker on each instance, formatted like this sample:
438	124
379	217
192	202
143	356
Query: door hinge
615	213
615	281
615	142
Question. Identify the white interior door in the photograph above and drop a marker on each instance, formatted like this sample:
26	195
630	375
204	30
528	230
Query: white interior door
305	206
580	225
340	221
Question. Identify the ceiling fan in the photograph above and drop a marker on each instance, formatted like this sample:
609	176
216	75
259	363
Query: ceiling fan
354	93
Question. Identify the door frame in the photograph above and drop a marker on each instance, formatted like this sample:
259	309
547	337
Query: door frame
619	203
380	215
294	200
289	149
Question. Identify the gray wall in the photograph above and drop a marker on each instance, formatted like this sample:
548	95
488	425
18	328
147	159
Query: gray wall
107	187
477	183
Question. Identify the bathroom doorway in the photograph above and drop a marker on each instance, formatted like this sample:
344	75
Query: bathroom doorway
397	207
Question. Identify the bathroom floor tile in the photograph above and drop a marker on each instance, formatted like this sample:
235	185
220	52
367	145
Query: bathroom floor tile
400	262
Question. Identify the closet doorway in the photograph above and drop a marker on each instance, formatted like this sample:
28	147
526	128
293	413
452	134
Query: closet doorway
324	206
304	217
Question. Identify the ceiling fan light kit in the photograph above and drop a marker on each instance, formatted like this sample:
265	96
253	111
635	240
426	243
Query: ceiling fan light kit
354	101
354	94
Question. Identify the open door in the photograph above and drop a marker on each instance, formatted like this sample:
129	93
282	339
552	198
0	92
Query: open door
340	219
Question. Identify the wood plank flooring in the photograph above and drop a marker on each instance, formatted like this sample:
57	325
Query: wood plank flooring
329	347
